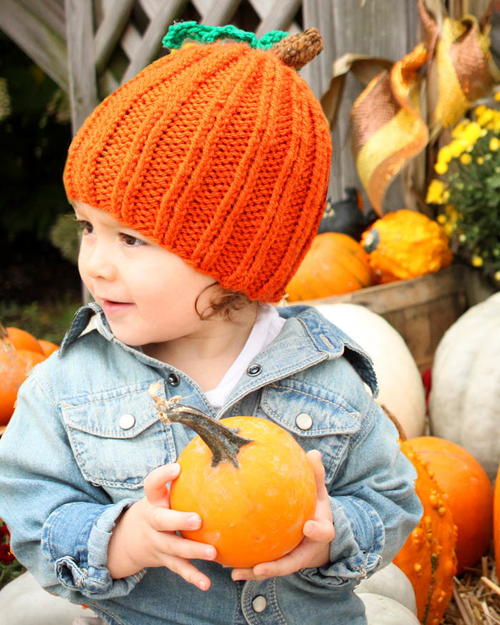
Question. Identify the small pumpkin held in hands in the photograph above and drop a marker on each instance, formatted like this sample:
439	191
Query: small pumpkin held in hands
249	481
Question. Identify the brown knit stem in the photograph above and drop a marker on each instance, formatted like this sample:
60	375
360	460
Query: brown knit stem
223	442
297	50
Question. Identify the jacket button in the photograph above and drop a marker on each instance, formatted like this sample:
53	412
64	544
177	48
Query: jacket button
259	604
173	379
304	421
126	421
254	370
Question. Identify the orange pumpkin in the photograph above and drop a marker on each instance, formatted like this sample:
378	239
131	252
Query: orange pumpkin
334	264
23	340
469	491
48	347
496	523
428	555
249	481
14	368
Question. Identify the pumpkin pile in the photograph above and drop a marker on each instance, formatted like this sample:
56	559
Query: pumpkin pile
20	351
353	251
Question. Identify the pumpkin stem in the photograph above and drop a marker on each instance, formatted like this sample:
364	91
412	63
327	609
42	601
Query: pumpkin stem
223	442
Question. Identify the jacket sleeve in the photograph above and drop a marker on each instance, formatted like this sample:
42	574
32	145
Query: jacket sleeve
60	524
374	504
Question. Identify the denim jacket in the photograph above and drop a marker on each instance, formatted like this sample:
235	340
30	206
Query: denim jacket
85	434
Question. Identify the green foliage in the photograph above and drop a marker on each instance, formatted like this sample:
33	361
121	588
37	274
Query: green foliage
47	320
65	235
34	134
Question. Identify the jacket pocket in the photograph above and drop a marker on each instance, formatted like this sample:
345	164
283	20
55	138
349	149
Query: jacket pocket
116	436
317	418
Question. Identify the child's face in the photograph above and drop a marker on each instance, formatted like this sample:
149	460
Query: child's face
147	293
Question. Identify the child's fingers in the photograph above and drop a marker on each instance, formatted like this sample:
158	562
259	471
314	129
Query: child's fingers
168	520
155	484
170	544
323	509
187	571
321	531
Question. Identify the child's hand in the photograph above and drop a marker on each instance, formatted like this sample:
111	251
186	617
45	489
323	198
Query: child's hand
145	535
314	550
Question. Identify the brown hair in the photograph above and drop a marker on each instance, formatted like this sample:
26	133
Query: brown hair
224	302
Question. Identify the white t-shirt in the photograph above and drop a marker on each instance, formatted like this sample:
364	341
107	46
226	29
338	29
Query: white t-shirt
267	326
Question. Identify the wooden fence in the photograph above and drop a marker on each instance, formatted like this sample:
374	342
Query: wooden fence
89	47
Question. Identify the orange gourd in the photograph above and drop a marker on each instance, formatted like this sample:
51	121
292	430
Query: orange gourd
48	347
469	491
405	244
14	368
428	556
496	523
334	264
21	339
249	481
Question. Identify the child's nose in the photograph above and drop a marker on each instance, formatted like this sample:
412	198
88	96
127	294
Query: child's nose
99	263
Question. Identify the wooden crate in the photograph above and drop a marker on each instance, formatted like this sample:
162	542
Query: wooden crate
421	309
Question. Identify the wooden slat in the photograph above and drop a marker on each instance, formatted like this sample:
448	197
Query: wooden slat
402	294
50	12
40	42
80	38
318	72
151	40
110	30
279	16
221	12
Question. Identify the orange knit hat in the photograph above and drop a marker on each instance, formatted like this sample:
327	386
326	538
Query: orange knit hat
218	152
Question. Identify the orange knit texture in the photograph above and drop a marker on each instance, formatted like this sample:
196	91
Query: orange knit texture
219	153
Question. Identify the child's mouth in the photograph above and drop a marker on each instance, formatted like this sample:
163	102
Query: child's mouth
111	307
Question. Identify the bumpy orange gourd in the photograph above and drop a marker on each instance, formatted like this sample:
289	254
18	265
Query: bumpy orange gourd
405	244
469	491
249	481
496	523
334	264
23	340
428	556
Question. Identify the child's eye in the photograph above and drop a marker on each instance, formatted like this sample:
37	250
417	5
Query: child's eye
130	240
85	227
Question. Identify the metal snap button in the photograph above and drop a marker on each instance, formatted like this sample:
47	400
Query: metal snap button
126	421
254	370
173	379
259	603
304	421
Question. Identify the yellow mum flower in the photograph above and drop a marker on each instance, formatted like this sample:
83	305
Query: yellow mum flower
445	154
497	96
485	117
440	168
465	159
496	275
494	144
441	219
477	261
457	147
479	160
435	192
459	129
472	133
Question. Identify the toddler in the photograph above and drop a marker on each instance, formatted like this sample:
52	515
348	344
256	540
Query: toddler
199	186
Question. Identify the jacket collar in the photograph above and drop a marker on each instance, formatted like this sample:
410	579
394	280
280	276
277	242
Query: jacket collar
306	339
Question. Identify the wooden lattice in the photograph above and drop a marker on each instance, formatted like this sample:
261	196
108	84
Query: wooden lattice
89	47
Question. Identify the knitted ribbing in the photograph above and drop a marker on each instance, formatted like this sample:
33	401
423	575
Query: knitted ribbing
219	153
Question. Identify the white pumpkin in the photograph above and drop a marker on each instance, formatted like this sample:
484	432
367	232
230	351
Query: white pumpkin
381	610
393	583
24	602
464	403
401	388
